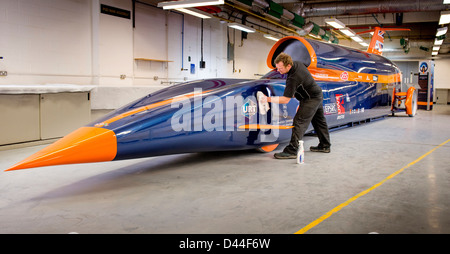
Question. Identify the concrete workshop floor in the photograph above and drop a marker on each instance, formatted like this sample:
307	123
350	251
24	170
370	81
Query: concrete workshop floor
246	191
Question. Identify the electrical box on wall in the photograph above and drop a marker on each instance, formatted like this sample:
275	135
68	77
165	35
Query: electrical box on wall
230	51
202	64
3	73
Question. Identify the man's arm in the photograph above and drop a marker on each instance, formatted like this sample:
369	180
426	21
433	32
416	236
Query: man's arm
279	99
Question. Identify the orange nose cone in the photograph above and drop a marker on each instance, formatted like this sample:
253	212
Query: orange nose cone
87	144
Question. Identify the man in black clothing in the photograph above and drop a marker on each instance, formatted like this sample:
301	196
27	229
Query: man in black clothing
301	85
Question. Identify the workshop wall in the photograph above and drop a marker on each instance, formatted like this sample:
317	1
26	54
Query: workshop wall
45	42
73	42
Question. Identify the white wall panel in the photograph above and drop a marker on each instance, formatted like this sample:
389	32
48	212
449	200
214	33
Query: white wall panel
115	47
70	41
45	38
441	70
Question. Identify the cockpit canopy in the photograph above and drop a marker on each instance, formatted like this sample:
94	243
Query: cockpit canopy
274	74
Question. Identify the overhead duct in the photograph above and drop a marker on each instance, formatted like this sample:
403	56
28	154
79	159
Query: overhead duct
367	7
298	9
261	3
288	15
306	29
271	9
284	17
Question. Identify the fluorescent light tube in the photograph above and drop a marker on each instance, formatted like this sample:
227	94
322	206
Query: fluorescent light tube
364	44
436	48
336	23
445	17
271	37
446	1
357	38
438	42
188	3
195	12
347	32
242	27
441	31
434	53
315	36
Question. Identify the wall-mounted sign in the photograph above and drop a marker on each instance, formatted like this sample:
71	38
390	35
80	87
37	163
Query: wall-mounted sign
121	13
423	67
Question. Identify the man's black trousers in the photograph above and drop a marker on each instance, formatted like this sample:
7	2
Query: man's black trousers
309	111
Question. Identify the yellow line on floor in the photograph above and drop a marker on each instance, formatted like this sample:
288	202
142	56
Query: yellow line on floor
339	207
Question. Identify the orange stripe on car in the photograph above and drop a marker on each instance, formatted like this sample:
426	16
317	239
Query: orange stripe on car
148	107
264	127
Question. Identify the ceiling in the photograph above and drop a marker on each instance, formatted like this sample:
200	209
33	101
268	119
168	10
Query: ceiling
420	16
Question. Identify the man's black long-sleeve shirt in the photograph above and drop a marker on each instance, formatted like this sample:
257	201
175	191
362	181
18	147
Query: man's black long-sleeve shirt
301	84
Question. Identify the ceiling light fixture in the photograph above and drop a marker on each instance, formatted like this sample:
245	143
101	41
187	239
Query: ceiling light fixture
445	17
357	38
364	44
195	12
315	36
434	53
188	3
438	42
441	31
336	23
436	48
271	37
348	32
242	27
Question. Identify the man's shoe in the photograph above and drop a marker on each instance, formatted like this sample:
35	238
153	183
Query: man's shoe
284	155
320	149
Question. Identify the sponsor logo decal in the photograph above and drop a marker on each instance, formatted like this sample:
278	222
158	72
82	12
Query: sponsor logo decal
356	111
379	46
330	108
423	67
344	75
249	108
340	103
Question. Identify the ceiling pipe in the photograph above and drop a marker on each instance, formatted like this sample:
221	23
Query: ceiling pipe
306	29
261	3
273	21
263	6
368	7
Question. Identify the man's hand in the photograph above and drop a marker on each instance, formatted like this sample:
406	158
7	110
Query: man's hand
262	103
263	98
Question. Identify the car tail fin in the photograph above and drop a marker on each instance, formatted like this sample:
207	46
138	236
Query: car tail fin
377	43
